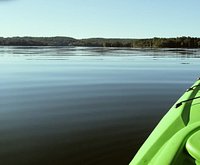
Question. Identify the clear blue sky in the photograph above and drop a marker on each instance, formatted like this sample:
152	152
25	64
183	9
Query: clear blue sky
100	18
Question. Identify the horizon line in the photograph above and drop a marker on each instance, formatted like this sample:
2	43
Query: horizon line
96	37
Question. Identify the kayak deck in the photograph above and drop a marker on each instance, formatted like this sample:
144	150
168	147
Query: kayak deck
172	141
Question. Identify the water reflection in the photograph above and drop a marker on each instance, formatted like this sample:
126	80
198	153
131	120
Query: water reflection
69	105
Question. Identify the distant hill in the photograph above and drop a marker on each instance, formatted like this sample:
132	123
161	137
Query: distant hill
179	42
36	41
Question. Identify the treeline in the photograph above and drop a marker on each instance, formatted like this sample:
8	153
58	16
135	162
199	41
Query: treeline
179	42
36	41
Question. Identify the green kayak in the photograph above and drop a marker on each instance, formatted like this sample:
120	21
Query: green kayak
176	139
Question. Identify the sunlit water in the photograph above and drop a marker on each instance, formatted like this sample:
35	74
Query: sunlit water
70	106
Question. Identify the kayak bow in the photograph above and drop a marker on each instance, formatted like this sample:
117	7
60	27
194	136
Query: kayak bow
176	139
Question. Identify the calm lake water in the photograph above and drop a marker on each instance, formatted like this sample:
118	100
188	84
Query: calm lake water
86	106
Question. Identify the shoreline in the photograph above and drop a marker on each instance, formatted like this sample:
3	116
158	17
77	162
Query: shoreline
178	42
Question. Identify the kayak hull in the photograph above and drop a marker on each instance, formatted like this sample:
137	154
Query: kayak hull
167	143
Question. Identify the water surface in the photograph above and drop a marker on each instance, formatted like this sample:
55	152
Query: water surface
74	105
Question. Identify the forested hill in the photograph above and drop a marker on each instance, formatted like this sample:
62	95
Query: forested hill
179	42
